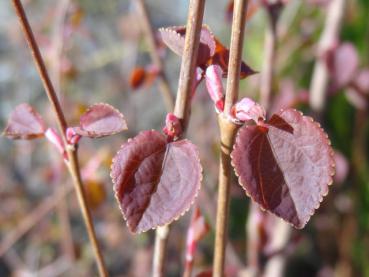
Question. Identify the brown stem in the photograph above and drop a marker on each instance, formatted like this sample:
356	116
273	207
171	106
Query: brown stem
182	106
72	162
189	58
266	79
155	57
330	35
235	55
161	241
228	130
33	218
75	173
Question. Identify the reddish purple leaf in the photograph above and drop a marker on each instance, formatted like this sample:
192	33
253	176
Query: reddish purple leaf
155	181
101	120
174	38
285	166
24	123
345	63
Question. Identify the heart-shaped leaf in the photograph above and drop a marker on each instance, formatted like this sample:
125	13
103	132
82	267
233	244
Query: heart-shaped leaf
24	123
285	166
101	120
155	181
174	38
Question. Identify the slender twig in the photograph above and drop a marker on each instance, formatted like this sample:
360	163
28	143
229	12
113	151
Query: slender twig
182	105
161	241
33	218
228	131
330	35
72	161
155	57
266	78
235	55
189	58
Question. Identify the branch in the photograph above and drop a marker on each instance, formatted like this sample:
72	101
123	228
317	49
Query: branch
189	58
329	36
228	131
235	54
155	57
72	162
182	106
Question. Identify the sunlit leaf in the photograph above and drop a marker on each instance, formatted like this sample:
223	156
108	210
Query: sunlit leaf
101	120
285	165
155	181
24	123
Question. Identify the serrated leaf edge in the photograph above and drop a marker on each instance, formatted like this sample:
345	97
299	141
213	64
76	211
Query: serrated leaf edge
102	134
173	219
330	182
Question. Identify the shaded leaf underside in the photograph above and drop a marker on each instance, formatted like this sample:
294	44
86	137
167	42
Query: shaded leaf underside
285	167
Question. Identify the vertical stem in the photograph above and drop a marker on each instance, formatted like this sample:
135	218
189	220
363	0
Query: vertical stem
182	106
75	173
227	134
266	80
235	55
228	131
161	241
150	36
72	162
329	36
189	58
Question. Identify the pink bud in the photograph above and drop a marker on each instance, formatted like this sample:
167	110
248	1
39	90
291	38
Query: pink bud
72	136
173	127
52	135
247	109
214	85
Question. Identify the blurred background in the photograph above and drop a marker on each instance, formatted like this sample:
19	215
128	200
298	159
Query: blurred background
91	48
